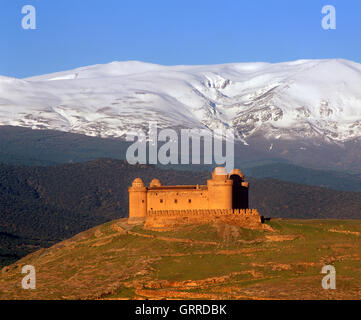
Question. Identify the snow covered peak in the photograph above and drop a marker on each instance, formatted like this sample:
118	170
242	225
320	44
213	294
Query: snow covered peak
303	98
111	69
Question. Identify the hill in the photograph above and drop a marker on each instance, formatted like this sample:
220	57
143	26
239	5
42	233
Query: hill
322	178
211	261
40	206
24	146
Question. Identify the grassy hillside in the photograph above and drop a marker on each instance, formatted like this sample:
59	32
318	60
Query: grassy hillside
215	261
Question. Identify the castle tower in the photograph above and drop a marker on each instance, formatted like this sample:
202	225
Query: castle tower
137	201
240	190
155	183
220	189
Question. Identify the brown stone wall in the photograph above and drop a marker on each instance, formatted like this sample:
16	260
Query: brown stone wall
249	218
177	199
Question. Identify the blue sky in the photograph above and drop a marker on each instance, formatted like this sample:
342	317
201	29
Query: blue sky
74	33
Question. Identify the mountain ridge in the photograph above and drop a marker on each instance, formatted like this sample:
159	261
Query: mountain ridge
289	100
23	146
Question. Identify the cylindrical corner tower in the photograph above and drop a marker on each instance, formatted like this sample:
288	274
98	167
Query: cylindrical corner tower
220	190
137	201
155	183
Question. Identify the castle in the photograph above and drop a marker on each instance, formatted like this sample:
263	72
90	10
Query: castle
225	197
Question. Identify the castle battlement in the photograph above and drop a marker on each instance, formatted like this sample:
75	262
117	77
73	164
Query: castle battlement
217	212
225	196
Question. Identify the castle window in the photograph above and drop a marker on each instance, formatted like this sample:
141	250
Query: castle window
142	201
189	200
161	200
175	200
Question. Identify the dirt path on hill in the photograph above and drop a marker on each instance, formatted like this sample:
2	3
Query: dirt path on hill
125	228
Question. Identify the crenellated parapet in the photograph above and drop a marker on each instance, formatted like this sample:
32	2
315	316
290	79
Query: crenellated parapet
168	219
205	212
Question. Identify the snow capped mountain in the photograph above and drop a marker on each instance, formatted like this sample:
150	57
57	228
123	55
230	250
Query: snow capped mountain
300	99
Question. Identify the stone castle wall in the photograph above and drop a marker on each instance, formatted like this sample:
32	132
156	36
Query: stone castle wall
172	218
196	212
223	199
179	199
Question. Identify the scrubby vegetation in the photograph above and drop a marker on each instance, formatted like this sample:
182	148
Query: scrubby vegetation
212	261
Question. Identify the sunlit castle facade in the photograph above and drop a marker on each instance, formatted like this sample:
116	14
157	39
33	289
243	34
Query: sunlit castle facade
223	192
